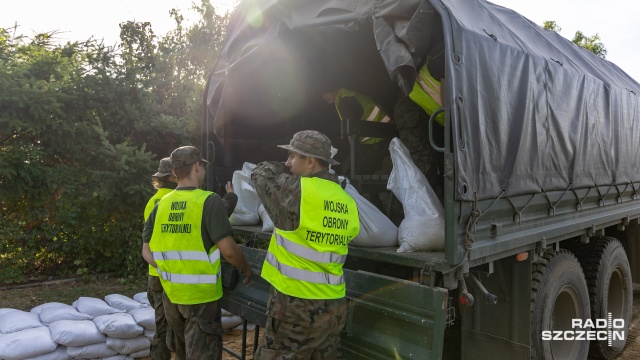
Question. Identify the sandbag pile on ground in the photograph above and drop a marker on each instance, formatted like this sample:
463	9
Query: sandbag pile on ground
117	328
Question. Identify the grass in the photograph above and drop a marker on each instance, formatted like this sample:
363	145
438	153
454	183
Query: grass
26	297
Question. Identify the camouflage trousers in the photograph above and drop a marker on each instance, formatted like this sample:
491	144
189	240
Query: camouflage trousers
159	349
197	329
309	330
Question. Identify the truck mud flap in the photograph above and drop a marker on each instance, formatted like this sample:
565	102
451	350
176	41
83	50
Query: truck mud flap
391	318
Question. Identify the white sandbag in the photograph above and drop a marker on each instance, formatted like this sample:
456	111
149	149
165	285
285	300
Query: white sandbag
93	351
141	297
145	317
376	229
226	313
421	205
26	343
128	346
229	322
52	312
7	310
118	325
60	353
141	354
94	306
122	302
13	321
76	333
149	333
246	211
267	224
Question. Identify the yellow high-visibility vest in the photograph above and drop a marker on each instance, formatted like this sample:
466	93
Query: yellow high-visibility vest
147	210
188	273
426	93
307	262
371	110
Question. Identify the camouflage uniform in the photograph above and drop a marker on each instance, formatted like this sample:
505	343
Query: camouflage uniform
413	130
296	328
195	330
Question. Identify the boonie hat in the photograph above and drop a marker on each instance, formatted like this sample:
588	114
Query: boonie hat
185	155
311	143
164	169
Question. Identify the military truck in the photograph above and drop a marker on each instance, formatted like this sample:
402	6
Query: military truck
541	171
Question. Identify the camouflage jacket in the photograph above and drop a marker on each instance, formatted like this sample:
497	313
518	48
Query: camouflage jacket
279	192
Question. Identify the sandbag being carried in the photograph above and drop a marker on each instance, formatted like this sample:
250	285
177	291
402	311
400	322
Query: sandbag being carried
423	226
246	211
376	230
267	224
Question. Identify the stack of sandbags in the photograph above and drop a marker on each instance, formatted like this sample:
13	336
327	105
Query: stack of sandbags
127	334
91	328
146	318
23	336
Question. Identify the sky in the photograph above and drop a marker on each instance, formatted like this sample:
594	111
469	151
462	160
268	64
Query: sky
616	21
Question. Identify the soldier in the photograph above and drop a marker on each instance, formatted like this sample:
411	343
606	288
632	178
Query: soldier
315	219
164	182
183	238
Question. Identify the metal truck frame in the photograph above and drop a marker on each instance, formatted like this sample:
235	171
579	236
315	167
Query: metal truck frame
541	173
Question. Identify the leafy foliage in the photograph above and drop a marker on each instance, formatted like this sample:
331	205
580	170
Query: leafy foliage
82	127
591	43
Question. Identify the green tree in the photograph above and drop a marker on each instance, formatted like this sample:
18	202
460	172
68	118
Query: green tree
82	127
591	43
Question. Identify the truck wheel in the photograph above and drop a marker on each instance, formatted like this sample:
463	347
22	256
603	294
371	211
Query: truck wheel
558	295
608	275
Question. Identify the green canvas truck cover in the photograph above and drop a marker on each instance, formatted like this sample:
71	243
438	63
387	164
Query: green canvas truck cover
527	110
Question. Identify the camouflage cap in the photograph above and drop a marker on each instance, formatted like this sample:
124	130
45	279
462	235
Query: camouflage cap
164	168
311	143
186	155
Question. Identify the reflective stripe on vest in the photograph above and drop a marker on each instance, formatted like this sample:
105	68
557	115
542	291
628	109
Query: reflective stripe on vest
147	210
370	110
307	262
188	279
427	93
310	254
303	275
188	273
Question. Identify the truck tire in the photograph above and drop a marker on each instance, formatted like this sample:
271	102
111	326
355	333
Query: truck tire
558	295
608	276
